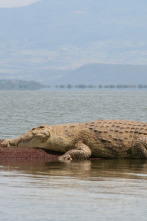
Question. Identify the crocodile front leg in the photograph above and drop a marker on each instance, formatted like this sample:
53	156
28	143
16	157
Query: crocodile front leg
140	148
36	137
82	152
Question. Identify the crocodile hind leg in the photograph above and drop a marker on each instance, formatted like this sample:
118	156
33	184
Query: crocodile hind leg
82	152
36	137
140	148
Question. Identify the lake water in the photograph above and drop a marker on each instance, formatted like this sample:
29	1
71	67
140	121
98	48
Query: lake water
90	190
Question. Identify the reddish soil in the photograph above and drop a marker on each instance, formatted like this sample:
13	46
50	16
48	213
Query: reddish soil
26	154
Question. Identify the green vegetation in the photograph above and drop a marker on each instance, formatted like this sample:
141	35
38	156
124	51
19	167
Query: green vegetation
32	85
111	86
19	85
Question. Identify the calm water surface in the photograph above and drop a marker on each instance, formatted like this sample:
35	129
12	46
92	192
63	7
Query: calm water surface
90	190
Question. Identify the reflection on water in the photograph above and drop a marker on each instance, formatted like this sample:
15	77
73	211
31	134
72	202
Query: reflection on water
83	170
97	189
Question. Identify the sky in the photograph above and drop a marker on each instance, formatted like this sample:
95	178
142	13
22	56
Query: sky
61	34
15	3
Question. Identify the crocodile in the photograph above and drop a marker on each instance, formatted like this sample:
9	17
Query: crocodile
80	141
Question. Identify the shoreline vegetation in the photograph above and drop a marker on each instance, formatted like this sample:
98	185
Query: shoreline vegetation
32	85
19	85
111	86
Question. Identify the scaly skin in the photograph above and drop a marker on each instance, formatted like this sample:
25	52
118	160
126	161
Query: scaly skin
79	141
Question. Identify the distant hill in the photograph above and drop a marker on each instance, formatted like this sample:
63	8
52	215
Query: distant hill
96	74
19	85
90	74
39	41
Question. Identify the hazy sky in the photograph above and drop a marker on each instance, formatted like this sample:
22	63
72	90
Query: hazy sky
64	34
15	3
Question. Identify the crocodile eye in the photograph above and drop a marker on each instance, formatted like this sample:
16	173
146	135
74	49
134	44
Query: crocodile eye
42	126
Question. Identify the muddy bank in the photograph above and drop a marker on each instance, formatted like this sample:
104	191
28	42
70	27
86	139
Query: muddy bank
27	154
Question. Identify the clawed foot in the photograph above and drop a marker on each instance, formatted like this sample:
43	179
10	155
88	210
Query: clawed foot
9	143
65	158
